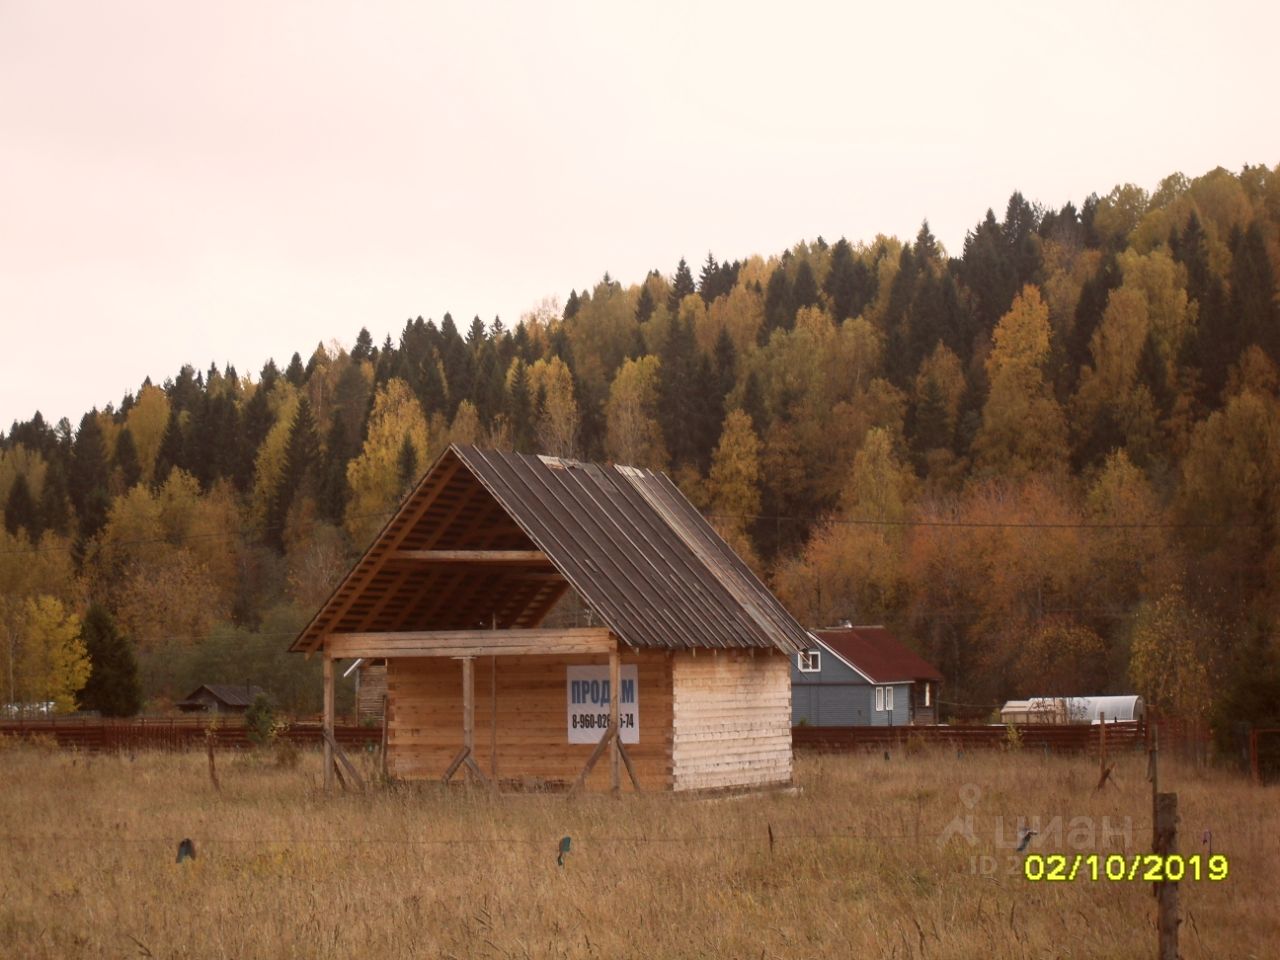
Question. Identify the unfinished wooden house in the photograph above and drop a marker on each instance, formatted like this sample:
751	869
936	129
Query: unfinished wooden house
683	678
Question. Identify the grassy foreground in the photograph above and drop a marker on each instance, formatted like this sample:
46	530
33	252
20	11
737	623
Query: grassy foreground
88	846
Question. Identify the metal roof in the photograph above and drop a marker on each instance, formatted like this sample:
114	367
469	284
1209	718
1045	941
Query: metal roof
636	551
229	694
878	654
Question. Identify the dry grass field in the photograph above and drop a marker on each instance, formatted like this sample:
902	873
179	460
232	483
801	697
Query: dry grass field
88	845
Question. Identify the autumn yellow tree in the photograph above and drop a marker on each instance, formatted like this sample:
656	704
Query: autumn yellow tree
1023	430
734	483
1170	653
852	567
633	435
374	476
557	417
44	659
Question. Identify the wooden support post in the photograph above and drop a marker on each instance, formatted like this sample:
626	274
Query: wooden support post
469	706
1104	769
1164	845
615	689
493	719
327	724
382	753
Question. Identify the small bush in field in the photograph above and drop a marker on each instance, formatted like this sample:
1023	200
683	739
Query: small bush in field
260	722
1012	737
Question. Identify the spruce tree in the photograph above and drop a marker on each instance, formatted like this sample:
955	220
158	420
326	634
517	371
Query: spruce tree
172	454
298	473
407	464
253	429
363	349
55	509
804	291
20	510
709	280
645	305
681	286
295	373
779	308
113	689
334	491
520	403
90	476
931	427
676	408
126	459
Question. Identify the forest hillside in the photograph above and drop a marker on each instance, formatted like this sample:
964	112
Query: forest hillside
1049	460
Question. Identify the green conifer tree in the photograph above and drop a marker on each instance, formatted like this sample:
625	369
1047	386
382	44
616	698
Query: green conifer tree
126	459
113	689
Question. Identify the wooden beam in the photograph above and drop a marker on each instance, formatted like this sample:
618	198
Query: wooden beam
615	683
327	725
470	643
473	556
469	704
397	528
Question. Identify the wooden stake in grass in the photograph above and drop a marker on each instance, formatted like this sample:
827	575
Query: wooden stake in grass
1164	844
209	738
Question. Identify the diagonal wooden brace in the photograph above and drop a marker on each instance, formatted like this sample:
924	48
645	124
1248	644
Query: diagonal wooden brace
462	756
340	757
626	762
609	735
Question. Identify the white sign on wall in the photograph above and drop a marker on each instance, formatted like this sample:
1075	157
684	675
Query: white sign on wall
587	697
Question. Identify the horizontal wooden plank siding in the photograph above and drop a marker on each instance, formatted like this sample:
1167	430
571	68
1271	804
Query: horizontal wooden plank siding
425	719
732	720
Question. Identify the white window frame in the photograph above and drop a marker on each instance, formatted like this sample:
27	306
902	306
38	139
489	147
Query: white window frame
809	661
879	699
888	699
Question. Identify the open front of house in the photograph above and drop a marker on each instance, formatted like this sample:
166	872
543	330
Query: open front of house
683	683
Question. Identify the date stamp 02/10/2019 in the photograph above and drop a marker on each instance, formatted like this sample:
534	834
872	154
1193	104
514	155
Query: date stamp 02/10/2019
1136	867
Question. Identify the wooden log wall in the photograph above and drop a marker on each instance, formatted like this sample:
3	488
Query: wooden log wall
530	734
732	720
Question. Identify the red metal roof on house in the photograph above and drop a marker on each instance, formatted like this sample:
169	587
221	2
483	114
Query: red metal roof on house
878	653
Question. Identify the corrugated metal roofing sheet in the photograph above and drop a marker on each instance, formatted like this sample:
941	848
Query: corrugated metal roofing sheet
637	552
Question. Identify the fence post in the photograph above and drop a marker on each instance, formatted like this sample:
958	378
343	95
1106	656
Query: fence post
1164	844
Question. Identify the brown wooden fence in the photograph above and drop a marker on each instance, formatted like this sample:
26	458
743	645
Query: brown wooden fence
1055	738
172	733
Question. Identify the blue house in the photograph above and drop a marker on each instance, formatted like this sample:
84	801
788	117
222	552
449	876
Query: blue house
862	677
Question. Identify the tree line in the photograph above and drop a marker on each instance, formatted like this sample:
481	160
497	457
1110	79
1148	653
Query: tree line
1050	461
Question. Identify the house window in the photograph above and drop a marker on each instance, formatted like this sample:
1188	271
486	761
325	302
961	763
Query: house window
880	699
888	699
809	661
926	694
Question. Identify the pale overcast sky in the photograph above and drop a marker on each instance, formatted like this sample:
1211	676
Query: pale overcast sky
188	182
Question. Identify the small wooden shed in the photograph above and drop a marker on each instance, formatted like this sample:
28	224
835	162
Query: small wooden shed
683	678
220	698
